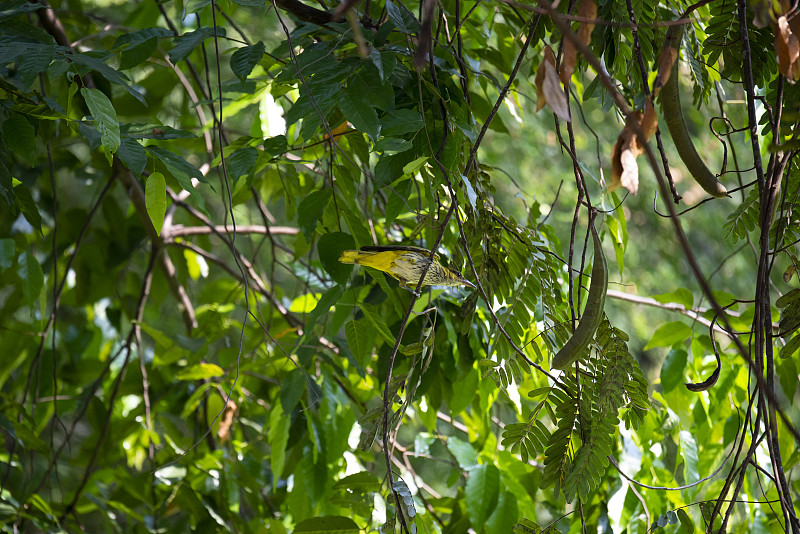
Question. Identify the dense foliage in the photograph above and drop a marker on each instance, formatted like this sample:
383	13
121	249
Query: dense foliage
182	349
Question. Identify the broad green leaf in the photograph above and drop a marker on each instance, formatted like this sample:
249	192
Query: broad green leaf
686	522
35	60
398	200
372	315
791	347
385	62
155	197
359	112
681	296
401	122
13	8
415	165
200	371
401	17
481	492
186	43
278	434
26	204
110	74
464	394
463	452
133	155
105	119
153	131
20	137
193	6
310	211
669	334
245	58
325	303
137	53
329	248
357	335
361	482
688	450
241	162
129	39
502	519
31	277
178	167
673	370
7	255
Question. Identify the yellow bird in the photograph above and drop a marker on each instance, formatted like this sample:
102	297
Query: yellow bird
405	264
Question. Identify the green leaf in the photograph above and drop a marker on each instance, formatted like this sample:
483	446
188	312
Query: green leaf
7	248
278	434
362	482
481	493
331	524
20	137
385	62
401	122
372	315
32	62
464	394
681	296
153	131
401	17
133	155
359	112
357	335
245	58
686	522
105	118
463	452
415	165
31	277
137	53
688	450
669	334
325	303
673	369
310	211
241	162
155	198
329	248
504	515
178	167
397	200
791	347
200	371
189	41
10	9
112	75
24	201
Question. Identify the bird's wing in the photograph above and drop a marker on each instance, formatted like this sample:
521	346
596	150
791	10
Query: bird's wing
387	248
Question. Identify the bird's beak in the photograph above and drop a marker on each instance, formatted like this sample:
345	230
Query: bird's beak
467	283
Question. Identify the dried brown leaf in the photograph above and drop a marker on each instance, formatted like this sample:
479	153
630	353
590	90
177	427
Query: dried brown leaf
548	88
226	421
650	120
787	47
624	170
587	9
665	62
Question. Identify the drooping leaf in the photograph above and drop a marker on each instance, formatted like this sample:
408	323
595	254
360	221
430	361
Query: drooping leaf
155	196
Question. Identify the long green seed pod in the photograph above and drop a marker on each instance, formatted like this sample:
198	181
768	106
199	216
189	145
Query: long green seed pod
673	115
592	314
